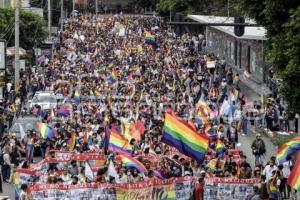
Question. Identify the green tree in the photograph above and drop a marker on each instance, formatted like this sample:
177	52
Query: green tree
204	7
33	29
282	20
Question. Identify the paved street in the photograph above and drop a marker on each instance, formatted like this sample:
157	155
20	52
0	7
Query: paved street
135	99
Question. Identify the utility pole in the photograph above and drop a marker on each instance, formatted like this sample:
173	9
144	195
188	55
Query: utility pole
73	5
17	46
62	13
49	18
228	6
96	7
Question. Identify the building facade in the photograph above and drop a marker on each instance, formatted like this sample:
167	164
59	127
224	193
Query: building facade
244	54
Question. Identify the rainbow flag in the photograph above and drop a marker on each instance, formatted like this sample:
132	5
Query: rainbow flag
118	143
130	162
113	77
288	149
219	146
294	178
212	164
149	36
45	130
150	39
72	142
114	74
181	135
202	113
272	187
203	104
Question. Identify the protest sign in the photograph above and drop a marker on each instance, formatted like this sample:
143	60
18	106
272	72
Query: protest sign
228	188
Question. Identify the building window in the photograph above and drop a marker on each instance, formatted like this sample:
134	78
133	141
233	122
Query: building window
232	50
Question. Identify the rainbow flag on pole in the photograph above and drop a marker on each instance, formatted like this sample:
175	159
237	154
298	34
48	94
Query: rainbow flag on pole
46	131
130	162
181	135
294	178
288	149
118	143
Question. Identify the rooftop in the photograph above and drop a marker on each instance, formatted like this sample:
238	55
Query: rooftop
252	33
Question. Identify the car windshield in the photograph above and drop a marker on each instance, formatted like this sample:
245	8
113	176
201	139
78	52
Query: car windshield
44	98
27	124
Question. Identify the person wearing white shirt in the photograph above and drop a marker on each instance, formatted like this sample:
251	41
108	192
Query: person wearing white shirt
269	169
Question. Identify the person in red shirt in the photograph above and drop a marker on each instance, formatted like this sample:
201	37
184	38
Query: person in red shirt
200	187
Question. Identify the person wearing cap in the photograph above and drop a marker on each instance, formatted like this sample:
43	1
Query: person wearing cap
258	148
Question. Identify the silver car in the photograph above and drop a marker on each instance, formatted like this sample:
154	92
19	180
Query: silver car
47	100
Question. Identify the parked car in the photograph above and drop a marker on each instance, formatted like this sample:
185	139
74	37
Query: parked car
46	100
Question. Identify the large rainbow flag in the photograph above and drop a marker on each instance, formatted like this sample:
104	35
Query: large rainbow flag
133	163
181	135
118	143
288	149
294	178
46	131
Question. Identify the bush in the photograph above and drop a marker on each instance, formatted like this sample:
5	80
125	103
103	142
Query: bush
279	140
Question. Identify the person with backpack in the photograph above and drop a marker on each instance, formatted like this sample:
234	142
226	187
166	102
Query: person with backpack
258	148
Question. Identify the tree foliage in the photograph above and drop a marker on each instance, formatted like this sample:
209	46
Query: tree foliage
33	30
204	7
282	20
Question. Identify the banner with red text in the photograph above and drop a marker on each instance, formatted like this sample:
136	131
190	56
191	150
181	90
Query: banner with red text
171	189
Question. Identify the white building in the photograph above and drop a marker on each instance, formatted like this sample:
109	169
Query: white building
246	53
